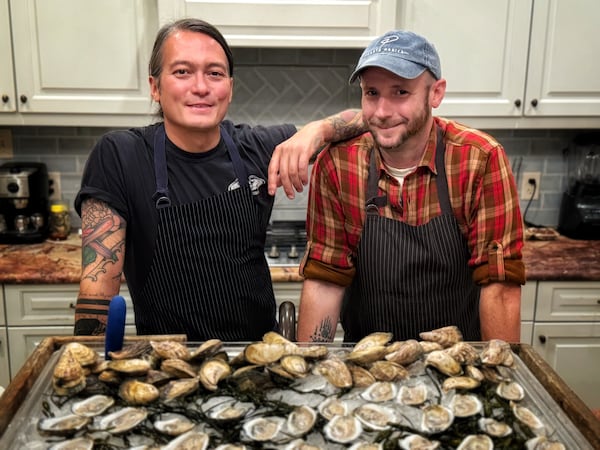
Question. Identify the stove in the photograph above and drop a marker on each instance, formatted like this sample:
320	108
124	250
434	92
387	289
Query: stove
285	243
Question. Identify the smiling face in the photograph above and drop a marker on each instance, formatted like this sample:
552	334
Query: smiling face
194	89
397	109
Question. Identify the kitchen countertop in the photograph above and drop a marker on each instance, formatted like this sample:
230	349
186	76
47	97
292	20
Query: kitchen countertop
562	259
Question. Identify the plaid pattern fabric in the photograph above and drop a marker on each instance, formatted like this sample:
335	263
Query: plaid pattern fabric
482	190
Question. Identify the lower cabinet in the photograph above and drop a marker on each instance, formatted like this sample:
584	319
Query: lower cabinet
4	364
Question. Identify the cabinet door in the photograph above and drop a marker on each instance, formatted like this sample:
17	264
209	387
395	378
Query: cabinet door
568	301
49	304
293	23
83	56
4	363
483	51
564	68
573	351
7	82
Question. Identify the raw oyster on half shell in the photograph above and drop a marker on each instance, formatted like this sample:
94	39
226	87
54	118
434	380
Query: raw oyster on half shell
63	426
343	429
92	406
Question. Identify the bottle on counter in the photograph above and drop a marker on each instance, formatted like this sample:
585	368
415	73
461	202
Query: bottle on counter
59	222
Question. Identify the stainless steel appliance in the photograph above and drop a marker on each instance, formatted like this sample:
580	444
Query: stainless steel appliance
24	202
580	208
285	243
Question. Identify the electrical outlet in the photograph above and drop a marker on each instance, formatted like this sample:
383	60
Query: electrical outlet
530	185
54	186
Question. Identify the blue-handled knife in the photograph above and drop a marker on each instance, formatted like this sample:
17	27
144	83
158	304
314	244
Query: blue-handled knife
115	326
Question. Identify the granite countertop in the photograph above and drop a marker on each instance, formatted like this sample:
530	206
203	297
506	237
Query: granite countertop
562	259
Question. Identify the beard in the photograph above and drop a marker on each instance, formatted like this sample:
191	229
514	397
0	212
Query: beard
413	127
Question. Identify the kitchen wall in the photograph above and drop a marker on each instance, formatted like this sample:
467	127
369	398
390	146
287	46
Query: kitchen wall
296	86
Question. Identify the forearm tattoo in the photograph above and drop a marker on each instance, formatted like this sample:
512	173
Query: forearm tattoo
324	332
100	245
91	316
347	124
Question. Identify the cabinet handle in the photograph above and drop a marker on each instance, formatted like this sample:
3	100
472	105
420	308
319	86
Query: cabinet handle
71	306
23	98
5	98
542	339
518	102
534	102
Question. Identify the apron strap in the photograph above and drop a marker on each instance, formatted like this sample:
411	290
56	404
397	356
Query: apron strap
441	180
238	166
161	196
374	202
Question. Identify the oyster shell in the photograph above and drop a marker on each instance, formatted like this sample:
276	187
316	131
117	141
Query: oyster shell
136	392
196	440
313	351
343	429
206	349
380	391
212	372
436	418
510	390
543	443
361	377
367	355
377	339
335	371
178	368
134	350
417	442
404	352
225	409
331	407
79	443
295	365
445	336
63	426
173	424
301	420
464	353
179	388
443	362
374	416
231	447
429	347
170	350
92	406
122	420
526	416
496	353
474	372
465	405
262	353
67	368
493	427
366	446
131	367
476	442
460	382
84	355
263	429
388	371
413	395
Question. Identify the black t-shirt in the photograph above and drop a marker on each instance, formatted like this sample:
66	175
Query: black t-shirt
120	172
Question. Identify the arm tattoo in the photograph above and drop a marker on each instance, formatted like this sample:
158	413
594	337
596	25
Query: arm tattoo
347	124
325	332
99	244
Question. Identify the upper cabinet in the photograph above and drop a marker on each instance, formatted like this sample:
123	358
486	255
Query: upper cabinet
513	58
290	23
76	56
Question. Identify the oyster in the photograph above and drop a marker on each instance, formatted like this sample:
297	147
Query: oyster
361	377
84	355
335	371
295	365
170	350
367	355
263	429
300	444
464	353
366	446
465	405
66	388
111	377
67	368
262	354
417	442
63	426
343	429
331	407
388	371
374	416
377	339
231	447
413	395
443	362
301	420
173	424
134	350
178	368
195	440
476	442
543	443
404	352
428	347
460	382
493	427
313	351
526	416
92	406
497	353
381	391
136	392
445	336
474	372
157	377
79	443
122	420
206	349
227	409
179	388
436	418
510	390
131	367
212	372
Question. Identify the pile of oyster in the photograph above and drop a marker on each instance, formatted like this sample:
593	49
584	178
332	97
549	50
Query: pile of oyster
437	392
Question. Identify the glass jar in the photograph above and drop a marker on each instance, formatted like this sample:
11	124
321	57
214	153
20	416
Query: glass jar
59	222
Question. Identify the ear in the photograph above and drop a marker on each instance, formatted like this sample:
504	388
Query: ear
154	89
437	92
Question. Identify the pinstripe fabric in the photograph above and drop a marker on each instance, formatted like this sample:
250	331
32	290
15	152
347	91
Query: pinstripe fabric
411	278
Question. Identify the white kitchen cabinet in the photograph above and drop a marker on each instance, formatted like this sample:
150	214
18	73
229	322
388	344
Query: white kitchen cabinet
291	23
77	57
4	367
528	298
7	82
513	58
567	334
36	311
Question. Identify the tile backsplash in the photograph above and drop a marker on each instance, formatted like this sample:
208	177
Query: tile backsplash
297	86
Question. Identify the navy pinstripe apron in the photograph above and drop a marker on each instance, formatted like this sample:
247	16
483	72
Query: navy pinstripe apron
411	279
209	277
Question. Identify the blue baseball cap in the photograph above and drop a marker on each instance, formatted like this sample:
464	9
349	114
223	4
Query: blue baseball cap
403	53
